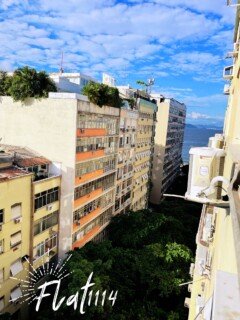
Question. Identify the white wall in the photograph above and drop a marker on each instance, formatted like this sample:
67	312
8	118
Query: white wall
47	126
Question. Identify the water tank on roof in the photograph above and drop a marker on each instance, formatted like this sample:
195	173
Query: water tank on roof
5	159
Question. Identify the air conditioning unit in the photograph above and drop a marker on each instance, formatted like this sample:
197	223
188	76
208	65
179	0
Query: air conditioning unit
49	207
205	176
187	302
191	270
18	220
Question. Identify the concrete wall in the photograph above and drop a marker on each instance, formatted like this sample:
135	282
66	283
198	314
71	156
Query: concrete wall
47	126
159	151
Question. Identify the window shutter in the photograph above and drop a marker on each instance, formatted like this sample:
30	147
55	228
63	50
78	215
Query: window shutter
16	267
1	277
16	238
16	294
16	210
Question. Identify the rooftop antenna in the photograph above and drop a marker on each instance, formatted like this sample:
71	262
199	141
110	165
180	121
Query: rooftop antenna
150	84
61	65
231	3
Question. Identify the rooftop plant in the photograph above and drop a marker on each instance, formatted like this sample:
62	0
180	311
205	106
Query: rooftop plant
26	83
102	94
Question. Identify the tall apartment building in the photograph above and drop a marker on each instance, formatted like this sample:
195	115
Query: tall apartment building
29	209
143	152
215	289
168	144
146	109
126	158
81	140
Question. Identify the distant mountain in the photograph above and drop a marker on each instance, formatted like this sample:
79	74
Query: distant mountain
204	126
189	125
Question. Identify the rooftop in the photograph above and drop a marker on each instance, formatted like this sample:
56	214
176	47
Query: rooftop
11	173
24	157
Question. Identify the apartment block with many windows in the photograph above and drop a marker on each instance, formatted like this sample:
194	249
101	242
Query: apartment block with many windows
28	237
126	156
146	109
81	139
143	152
168	143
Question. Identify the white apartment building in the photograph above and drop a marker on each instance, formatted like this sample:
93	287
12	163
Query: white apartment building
70	82
168	142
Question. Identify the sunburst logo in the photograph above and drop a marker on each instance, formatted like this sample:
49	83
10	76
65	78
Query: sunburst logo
34	291
30	285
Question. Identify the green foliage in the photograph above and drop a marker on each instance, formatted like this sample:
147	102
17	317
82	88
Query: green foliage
5	83
146	257
26	83
102	95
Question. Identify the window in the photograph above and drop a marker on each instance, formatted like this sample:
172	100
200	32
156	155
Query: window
1	216
1	276
44	247
16	239
1	246
16	210
16	293
45	223
46	197
104	183
1	303
16	267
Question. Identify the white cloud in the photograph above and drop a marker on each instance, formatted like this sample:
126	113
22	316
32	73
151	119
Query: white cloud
197	116
109	35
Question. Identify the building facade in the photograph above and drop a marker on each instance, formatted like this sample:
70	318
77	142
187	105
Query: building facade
143	153
126	158
99	166
145	109
168	142
214	289
81	140
29	210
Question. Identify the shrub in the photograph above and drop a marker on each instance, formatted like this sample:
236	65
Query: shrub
26	83
101	94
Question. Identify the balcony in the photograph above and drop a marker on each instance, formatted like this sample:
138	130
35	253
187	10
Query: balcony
228	73
81	156
94	132
86	219
90	196
87	237
88	176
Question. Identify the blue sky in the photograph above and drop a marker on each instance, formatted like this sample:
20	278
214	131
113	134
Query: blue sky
181	43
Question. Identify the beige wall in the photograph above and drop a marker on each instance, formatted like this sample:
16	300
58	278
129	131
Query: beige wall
159	151
167	150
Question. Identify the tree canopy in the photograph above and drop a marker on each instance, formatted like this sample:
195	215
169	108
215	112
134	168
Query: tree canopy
146	257
26	83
